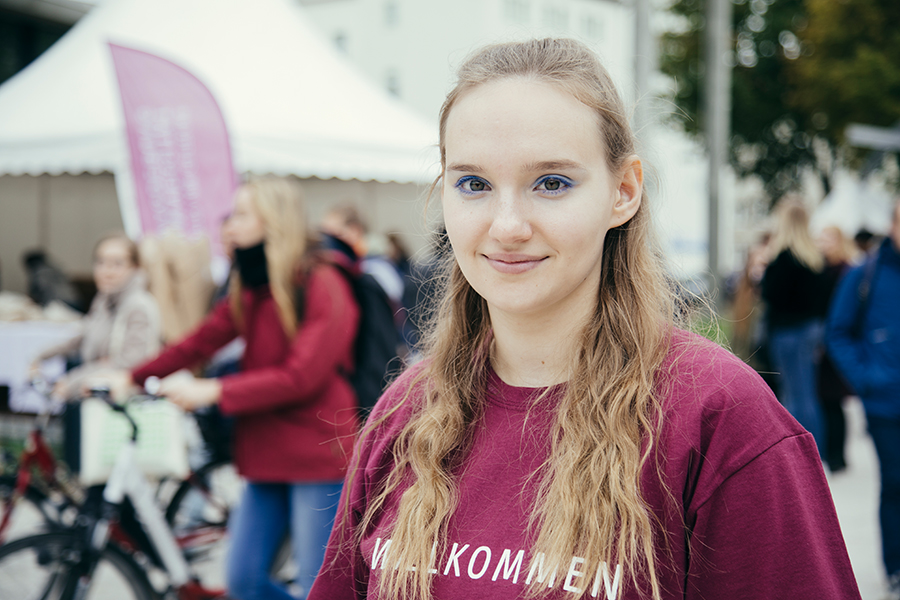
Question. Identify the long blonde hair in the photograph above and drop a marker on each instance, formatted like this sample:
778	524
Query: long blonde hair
792	234
589	501
279	204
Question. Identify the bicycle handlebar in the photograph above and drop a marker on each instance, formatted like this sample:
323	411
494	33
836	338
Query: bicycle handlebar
103	392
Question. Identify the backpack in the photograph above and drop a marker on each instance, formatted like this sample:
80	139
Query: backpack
377	339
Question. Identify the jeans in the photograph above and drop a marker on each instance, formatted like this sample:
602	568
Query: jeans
885	433
794	354
258	526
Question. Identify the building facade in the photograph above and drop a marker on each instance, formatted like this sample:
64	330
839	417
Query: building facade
412	47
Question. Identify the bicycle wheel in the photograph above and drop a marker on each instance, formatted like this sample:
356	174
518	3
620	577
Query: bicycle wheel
198	514
47	567
48	509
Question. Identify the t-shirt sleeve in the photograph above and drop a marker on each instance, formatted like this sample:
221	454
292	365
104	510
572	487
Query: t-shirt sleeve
770	531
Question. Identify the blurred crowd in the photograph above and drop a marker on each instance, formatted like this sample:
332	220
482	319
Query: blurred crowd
816	315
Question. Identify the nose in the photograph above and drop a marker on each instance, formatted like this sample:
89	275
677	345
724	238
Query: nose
511	222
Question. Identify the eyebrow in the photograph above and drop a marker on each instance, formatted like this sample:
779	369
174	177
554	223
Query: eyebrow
546	165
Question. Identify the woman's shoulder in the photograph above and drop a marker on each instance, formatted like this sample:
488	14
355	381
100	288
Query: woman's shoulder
391	413
403	396
137	298
703	385
320	273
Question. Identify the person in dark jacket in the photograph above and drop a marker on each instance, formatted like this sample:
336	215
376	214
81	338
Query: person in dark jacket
793	287
295	411
863	337
840	254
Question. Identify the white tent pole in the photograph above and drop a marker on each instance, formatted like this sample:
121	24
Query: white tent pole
131	220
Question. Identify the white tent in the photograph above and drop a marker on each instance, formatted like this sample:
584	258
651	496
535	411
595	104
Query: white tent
292	104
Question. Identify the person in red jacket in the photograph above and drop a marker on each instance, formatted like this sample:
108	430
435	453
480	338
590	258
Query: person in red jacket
294	408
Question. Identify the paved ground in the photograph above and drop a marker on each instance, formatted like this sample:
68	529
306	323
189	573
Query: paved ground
855	493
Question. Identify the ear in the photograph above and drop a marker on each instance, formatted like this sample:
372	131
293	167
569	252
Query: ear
628	192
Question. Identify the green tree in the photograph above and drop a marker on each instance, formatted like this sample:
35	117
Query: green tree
852	71
771	137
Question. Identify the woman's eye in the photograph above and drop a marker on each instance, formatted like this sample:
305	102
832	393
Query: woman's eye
553	184
471	185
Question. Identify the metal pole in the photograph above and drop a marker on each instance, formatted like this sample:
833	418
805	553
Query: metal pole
644	64
717	115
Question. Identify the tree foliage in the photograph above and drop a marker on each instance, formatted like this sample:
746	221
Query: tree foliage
802	70
852	73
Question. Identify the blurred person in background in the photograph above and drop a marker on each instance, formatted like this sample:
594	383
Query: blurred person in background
295	412
346	224
47	282
794	290
122	328
748	331
863	337
840	254
865	240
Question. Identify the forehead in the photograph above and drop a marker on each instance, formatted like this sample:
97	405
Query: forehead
522	115
113	247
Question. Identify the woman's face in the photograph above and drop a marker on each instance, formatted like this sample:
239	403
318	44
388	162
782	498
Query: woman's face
528	197
244	227
829	243
112	266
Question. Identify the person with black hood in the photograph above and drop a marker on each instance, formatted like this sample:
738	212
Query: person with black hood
294	409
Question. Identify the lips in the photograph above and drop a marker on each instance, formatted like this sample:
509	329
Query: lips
514	263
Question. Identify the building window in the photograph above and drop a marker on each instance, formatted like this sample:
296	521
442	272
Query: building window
517	11
391	14
392	83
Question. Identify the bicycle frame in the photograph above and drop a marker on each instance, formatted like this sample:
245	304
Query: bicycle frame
127	480
38	457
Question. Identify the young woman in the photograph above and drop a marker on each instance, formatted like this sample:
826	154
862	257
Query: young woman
796	295
122	327
562	439
293	406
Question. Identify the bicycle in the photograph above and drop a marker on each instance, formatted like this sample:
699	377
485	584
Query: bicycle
96	555
198	508
40	479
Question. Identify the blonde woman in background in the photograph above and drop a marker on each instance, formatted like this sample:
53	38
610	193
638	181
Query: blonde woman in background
294	408
562	439
794	289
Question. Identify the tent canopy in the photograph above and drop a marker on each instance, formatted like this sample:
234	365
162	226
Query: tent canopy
291	103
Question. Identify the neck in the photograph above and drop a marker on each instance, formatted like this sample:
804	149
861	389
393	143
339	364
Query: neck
534	351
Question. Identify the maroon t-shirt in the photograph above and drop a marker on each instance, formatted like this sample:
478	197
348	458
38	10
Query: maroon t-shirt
747	514
295	410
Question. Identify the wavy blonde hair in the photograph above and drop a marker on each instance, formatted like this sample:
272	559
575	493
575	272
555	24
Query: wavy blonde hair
589	501
792	234
279	204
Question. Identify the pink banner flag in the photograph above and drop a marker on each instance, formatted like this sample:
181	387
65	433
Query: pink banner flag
180	153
